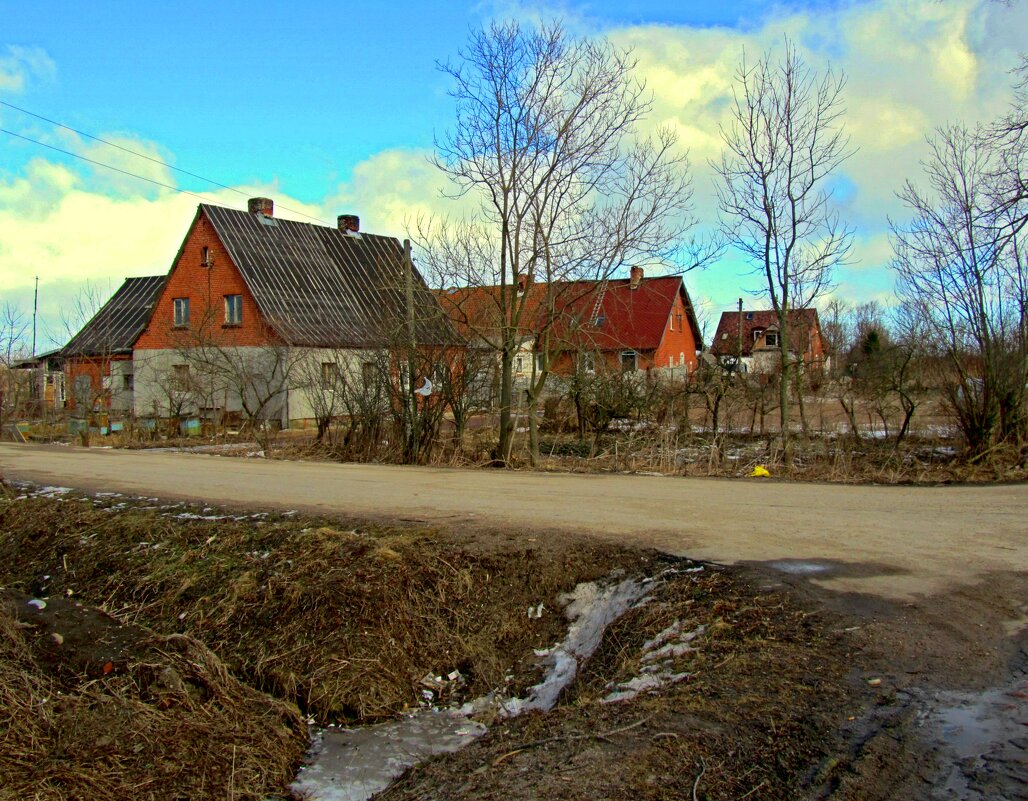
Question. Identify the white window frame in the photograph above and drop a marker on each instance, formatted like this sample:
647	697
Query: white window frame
233	309
180	312
626	354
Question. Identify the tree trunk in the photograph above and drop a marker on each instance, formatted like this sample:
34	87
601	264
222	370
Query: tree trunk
506	437
783	408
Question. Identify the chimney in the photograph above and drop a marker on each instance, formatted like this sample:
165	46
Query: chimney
522	284
261	205
349	222
635	277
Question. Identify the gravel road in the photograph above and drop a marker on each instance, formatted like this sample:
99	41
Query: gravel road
895	542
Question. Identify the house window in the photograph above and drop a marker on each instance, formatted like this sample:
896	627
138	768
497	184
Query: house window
181	306
127	382
206	260
519	364
588	362
771	339
180	376
540	362
629	361
368	373
329	375
233	309
681	358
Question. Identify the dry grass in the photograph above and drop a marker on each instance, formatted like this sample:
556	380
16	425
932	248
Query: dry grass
171	724
755	719
342	621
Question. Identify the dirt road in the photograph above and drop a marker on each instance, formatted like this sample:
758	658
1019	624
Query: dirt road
896	542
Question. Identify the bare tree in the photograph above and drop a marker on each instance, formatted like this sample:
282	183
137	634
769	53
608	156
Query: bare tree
1008	138
211	365
15	385
961	267
783	143
546	147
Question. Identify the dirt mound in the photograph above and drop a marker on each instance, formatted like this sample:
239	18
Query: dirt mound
94	708
344	620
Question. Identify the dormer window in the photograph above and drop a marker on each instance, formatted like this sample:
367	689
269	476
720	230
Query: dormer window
771	339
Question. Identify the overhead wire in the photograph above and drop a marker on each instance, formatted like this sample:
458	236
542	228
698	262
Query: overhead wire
132	152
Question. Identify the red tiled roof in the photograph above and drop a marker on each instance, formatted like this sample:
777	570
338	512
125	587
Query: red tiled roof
726	340
605	315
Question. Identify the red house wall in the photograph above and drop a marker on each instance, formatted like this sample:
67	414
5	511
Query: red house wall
96	368
678	339
206	290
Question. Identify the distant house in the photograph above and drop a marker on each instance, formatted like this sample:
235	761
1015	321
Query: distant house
761	343
250	297
628	324
98	360
43	377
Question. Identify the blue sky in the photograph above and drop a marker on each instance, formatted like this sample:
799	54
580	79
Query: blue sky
331	107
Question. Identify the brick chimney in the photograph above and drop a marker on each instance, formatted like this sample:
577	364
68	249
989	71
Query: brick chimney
635	277
261	205
522	284
349	222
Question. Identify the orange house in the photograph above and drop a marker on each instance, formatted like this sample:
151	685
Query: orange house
630	324
251	299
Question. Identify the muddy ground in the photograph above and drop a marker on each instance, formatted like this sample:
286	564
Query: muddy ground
789	690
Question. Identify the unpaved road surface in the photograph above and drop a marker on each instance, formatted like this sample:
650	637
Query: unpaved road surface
928	585
893	542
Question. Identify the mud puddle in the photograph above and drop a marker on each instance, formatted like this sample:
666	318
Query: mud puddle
983	739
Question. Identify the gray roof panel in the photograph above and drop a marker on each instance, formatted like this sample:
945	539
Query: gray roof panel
321	287
119	322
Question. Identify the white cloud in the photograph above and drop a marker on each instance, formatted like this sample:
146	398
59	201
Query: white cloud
911	66
21	65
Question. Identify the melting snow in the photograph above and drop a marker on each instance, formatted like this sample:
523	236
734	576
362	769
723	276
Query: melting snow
590	608
354	764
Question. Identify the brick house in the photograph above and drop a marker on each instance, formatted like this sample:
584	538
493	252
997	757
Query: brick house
629	324
253	305
762	339
98	364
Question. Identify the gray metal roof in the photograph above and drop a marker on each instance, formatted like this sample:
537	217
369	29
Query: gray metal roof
119	322
321	287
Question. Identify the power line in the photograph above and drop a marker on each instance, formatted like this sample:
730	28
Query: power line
133	153
101	164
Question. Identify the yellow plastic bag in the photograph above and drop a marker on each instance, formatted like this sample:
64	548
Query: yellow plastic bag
760	472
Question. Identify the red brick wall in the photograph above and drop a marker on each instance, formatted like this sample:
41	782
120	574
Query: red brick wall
206	290
678	339
96	368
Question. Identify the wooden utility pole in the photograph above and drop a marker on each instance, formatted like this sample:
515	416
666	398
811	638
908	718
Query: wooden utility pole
412	346
738	355
35	313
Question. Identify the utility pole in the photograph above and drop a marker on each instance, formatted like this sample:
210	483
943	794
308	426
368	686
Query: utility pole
412	399
738	355
35	314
